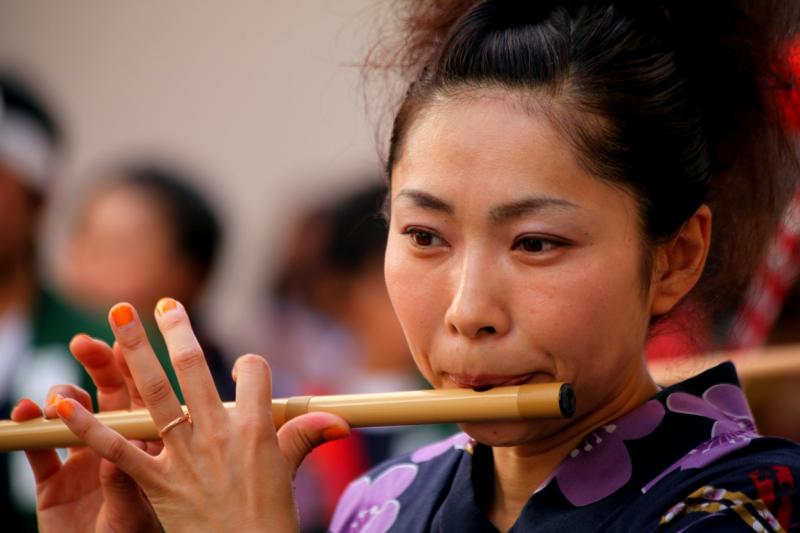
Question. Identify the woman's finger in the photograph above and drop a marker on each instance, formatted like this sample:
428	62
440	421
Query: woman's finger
300	435
133	392
57	392
107	443
190	365
98	359
148	375
44	463
26	409
253	386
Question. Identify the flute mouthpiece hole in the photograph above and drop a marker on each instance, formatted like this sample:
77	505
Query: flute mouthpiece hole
566	400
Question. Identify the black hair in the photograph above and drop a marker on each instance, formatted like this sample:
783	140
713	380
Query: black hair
358	231
196	228
339	239
19	96
676	101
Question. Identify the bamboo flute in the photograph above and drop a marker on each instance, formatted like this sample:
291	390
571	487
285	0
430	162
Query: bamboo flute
519	402
751	365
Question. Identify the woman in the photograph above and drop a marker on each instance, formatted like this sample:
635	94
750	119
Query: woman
554	169
143	230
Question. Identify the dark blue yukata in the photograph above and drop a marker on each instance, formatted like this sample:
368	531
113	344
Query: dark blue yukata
689	459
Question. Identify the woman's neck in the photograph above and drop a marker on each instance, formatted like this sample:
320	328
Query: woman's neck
520	470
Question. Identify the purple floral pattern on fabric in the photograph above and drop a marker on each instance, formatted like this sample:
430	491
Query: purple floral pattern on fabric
733	427
601	464
459	441
371	506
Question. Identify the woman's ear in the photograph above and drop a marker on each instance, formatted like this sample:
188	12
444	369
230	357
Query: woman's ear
678	264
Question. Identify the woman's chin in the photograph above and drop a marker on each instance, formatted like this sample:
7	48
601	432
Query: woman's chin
512	433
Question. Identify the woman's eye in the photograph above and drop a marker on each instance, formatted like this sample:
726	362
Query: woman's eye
536	244
423	238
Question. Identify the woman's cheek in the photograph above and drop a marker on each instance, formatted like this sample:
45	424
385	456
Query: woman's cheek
581	319
412	291
404	287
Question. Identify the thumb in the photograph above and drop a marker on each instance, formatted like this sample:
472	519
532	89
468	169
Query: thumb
300	435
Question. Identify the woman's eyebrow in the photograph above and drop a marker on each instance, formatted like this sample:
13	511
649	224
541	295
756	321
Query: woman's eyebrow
500	213
528	205
425	200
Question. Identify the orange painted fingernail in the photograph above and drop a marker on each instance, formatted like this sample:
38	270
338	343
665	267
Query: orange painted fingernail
166	304
64	408
54	399
122	315
335	433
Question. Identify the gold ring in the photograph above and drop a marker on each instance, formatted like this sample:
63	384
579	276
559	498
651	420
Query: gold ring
185	417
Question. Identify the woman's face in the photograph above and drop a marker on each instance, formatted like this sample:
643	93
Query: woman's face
123	249
508	263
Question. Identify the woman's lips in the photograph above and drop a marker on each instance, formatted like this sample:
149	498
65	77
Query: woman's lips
482	382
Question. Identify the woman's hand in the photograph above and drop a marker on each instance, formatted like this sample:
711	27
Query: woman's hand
86	492
223	470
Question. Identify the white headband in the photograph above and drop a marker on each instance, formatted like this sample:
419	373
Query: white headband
24	146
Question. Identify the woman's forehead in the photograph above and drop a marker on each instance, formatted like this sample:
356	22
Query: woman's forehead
489	146
487	122
488	158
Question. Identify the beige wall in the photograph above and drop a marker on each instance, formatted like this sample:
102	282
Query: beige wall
261	96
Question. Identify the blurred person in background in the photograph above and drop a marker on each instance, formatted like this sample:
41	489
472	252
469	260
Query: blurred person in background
35	324
306	349
333	289
349	289
142	233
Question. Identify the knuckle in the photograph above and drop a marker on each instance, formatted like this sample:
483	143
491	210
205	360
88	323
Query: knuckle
263	432
82	396
156	390
303	443
188	358
211	442
133	341
72	391
169	323
255	425
115	450
295	441
82	431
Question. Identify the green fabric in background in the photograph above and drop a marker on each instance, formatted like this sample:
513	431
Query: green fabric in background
55	322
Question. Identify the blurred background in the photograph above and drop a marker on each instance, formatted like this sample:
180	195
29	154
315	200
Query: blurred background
215	152
220	153
261	101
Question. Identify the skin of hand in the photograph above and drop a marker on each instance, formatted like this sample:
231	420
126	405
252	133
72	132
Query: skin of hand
226	470
87	492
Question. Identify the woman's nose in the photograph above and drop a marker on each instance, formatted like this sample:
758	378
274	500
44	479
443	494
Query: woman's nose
476	309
